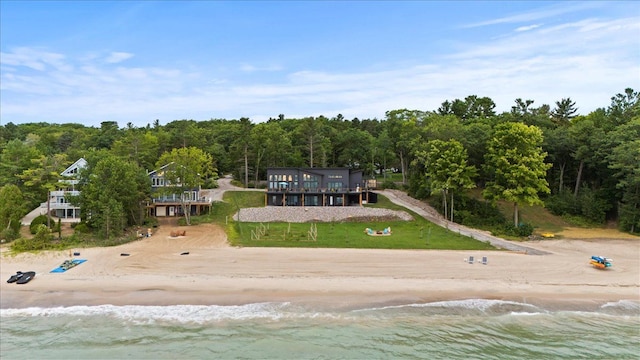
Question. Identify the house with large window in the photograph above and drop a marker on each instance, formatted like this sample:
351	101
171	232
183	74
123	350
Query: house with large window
169	200
58	204
316	187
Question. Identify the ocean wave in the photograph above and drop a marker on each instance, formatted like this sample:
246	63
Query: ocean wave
467	306
622	307
282	311
142	314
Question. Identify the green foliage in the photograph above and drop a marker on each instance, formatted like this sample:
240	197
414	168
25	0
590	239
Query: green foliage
113	193
210	183
447	169
185	169
594	206
40	220
14	159
40	241
516	161
11	210
563	203
8	234
42	176
629	219
82	228
589	204
388	185
522	230
598	151
476	213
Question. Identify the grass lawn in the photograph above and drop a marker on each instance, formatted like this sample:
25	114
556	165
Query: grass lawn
417	234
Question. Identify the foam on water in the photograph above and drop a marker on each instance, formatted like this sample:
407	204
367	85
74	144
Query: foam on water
469	306
632	305
198	314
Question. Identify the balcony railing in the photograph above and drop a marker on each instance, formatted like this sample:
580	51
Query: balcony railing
317	190
62	193
56	205
201	200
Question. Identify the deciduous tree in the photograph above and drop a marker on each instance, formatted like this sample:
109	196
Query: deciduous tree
12	209
112	194
447	169
515	162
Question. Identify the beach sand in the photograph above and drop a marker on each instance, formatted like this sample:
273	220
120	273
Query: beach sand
214	273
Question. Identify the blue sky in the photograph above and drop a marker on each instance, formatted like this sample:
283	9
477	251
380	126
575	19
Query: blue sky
137	61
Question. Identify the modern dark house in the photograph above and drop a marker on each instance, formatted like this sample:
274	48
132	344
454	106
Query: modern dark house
316	187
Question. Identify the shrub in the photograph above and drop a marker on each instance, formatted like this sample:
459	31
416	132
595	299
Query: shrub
522	230
594	207
41	241
472	212
210	184
629	219
40	220
590	204
388	185
525	229
82	228
563	203
8	234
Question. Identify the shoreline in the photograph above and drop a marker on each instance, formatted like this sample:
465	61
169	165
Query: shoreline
213	273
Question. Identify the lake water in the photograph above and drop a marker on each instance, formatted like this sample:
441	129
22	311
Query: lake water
468	329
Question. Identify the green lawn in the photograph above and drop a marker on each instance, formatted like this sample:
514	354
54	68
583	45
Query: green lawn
417	234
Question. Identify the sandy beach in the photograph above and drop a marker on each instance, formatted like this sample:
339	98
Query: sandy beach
214	273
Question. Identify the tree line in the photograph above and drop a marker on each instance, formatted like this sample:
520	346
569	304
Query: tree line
585	166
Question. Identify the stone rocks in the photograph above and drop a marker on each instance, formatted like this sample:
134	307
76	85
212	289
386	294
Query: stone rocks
299	214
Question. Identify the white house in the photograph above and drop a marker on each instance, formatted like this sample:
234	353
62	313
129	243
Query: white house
174	203
58	205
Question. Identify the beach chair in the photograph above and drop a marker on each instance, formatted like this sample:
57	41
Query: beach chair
470	259
484	260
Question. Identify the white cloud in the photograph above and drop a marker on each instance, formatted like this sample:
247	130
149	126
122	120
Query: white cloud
34	59
528	27
588	60
116	57
544	13
253	68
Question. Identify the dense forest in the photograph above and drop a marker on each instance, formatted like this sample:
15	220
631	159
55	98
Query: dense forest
585	166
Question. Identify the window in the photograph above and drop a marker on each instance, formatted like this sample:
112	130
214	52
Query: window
310	181
333	185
